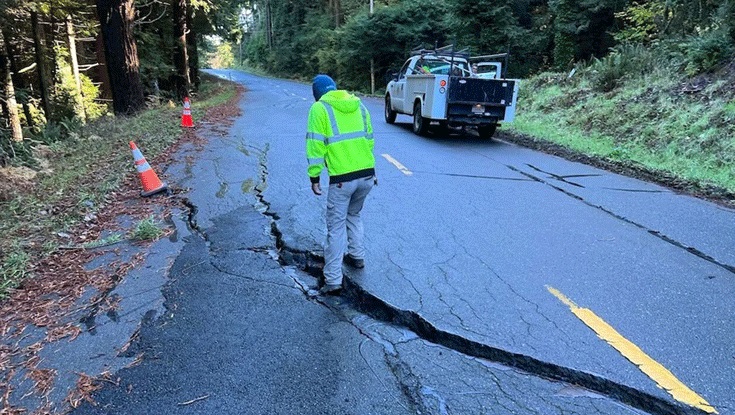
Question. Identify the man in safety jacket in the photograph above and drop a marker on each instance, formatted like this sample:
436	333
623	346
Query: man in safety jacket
339	136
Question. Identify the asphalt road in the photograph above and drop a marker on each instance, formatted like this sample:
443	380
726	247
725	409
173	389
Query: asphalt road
491	270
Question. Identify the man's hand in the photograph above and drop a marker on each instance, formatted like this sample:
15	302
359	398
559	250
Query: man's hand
316	188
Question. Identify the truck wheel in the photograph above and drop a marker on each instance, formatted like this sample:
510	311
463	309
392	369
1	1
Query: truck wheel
420	124
390	115
486	131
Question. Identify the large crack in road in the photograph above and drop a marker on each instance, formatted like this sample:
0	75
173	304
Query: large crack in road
360	300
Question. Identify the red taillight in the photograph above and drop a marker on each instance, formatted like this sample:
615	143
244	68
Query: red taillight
443	83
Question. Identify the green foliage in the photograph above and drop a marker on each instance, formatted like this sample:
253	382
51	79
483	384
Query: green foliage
106	241
582	29
565	29
643	22
622	61
706	52
147	229
13	270
639	120
728	112
91	93
387	37
222	57
318	47
65	93
489	26
256	51
71	125
306	38
16	153
345	52
49	133
155	52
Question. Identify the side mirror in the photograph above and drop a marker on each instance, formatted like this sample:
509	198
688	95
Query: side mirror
391	75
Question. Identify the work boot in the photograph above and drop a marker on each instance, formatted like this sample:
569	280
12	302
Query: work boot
329	290
354	262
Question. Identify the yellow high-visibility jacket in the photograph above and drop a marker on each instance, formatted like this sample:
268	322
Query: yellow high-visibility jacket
339	135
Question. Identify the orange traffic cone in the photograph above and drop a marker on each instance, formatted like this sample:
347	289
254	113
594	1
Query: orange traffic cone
186	120
151	183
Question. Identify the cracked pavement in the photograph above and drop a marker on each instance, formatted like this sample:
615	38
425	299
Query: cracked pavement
452	314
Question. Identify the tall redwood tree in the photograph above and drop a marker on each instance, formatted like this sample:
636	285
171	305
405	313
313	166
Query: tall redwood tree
121	53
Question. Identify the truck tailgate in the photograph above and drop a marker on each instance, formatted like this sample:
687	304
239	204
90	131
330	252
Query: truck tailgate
480	91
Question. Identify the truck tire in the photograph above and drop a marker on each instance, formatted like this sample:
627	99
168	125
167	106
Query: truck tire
420	124
390	115
486	131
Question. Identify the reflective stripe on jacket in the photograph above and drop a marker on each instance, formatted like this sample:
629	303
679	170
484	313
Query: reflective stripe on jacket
339	135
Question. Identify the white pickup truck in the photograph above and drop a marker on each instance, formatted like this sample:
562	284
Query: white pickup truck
441	88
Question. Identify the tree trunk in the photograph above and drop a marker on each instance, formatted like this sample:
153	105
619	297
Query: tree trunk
337	13
268	24
18	80
41	64
3	116
101	70
181	56
51	51
564	39
193	45
121	53
9	92
80	111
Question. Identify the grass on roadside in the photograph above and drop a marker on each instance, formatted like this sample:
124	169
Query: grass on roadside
650	121
106	241
14	269
147	230
82	172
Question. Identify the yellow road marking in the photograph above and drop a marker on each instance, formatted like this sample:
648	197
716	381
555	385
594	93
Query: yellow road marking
396	163
662	376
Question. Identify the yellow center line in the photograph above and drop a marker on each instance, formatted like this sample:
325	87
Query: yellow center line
398	165
662	376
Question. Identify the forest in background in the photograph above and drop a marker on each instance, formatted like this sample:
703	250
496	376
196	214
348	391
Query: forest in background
342	37
64	63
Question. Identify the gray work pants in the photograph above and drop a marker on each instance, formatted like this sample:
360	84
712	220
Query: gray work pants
344	225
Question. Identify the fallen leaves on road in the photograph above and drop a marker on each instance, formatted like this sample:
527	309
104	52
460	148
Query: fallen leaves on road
68	330
86	385
60	279
44	380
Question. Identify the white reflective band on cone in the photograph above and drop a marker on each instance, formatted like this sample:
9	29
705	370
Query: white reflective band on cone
144	167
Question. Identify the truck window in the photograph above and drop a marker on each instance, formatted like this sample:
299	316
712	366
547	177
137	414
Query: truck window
442	67
402	74
488	70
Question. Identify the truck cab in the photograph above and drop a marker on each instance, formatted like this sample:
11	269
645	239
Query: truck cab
440	88
488	70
